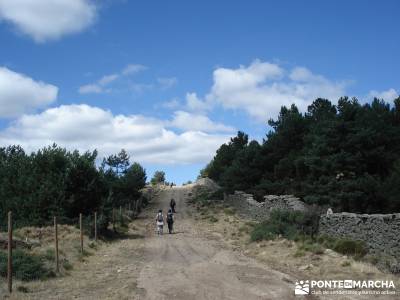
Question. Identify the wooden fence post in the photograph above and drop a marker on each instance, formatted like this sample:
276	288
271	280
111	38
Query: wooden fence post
95	226
10	242
81	229
56	244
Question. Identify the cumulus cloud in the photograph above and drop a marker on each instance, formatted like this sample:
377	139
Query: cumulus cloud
388	95
189	121
48	19
194	103
20	93
262	88
85	127
98	87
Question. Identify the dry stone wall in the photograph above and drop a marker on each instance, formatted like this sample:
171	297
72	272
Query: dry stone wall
248	207
381	233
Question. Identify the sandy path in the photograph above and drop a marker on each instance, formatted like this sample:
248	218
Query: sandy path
190	264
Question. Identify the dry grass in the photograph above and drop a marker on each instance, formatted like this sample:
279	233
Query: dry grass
288	256
42	240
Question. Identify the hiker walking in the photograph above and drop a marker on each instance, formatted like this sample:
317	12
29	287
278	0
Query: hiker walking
170	220
172	205
160	222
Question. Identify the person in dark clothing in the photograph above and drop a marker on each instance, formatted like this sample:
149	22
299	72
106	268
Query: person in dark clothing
172	205
170	220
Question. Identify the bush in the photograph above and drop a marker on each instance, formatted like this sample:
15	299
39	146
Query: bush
50	255
288	224
26	267
263	231
299	253
350	247
67	265
315	248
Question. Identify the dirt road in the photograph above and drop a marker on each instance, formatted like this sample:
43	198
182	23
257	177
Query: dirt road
189	265
192	263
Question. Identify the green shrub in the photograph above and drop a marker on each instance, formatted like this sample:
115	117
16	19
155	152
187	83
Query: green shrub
67	265
284	223
315	248
299	253
25	266
264	231
49	255
350	247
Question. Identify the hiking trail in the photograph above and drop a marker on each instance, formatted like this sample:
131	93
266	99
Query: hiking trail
192	263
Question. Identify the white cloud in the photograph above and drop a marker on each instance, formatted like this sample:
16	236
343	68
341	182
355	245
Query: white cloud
132	69
262	88
91	89
48	19
85	127
20	93
189	121
167	82
388	95
98	86
194	103
108	79
171	104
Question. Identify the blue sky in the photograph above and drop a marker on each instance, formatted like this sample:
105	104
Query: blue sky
171	80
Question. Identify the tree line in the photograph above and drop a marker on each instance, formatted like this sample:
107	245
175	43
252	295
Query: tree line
56	182
346	156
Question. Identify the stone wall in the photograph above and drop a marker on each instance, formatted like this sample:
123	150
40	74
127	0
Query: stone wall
381	233
250	208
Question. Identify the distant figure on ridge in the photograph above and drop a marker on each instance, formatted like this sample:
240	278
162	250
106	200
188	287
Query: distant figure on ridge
160	222
170	220
172	205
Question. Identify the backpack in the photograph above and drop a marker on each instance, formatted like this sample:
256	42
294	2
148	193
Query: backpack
160	217
169	217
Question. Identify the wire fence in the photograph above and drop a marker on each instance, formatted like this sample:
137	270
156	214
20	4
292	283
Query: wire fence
38	253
